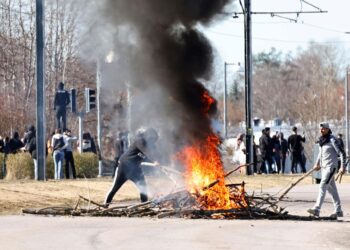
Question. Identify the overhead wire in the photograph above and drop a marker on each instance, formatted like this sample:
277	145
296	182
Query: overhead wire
274	40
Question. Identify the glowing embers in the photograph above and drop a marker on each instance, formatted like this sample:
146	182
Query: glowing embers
203	167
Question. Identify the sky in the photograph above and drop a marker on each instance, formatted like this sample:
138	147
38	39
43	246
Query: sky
227	35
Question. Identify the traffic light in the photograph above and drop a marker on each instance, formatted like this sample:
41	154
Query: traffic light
73	100
90	99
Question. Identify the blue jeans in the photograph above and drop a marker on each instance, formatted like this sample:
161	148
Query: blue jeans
58	157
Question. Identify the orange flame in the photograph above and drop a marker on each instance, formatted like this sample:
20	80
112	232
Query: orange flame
203	167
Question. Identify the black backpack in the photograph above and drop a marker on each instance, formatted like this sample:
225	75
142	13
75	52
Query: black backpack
58	143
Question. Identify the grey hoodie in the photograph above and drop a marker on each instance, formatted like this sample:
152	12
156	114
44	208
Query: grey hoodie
328	154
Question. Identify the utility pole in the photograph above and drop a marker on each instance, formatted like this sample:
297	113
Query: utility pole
248	83
40	92
246	11
347	111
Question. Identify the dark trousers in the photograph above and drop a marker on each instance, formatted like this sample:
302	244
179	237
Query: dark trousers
69	159
4	171
277	159
61	115
115	166
266	164
127	172
297	158
283	161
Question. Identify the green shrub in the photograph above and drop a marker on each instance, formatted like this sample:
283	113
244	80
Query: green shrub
50	167
19	166
86	164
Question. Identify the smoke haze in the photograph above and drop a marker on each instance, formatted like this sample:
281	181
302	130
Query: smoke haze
163	58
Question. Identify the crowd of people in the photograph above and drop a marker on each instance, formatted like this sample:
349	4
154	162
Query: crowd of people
271	153
60	145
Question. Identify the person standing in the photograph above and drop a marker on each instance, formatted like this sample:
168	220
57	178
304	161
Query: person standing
15	144
284	152
68	153
265	145
130	165
327	161
238	150
58	146
31	148
341	145
276	149
60	106
296	148
2	145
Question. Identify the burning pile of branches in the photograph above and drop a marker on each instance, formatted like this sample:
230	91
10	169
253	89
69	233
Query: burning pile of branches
184	204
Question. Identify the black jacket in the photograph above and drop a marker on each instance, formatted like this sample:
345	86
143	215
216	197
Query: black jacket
294	143
138	152
284	146
61	99
265	145
15	144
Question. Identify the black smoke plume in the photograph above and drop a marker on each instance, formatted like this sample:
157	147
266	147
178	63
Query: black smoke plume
165	57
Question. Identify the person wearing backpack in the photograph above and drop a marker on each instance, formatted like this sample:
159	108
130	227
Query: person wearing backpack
58	146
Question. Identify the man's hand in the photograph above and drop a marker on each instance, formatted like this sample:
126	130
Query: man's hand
317	167
341	170
156	164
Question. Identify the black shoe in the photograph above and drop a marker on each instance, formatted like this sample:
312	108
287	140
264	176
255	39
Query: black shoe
337	214
314	212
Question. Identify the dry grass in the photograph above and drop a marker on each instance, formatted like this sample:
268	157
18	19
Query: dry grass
15	195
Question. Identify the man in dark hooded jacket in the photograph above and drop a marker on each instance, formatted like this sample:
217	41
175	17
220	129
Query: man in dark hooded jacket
130	165
60	105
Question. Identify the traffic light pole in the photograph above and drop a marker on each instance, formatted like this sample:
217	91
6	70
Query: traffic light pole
81	129
98	106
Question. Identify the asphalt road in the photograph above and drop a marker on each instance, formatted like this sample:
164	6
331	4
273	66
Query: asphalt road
37	232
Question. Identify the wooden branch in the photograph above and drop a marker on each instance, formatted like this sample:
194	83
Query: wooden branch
92	202
227	174
295	183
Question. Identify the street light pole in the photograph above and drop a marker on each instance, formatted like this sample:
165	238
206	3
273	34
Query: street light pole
248	83
225	98
40	93
225	104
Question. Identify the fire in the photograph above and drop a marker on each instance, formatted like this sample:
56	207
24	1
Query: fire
203	167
